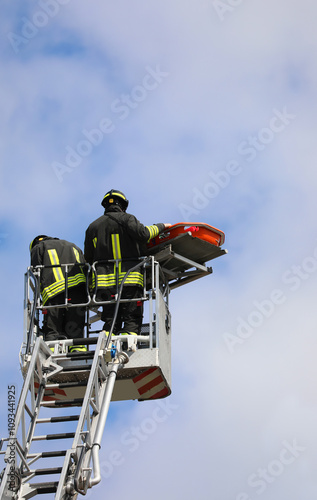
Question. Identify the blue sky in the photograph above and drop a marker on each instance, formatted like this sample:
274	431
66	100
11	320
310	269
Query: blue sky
204	111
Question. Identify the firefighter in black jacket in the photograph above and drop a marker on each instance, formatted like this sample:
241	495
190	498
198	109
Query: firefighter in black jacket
61	323
117	235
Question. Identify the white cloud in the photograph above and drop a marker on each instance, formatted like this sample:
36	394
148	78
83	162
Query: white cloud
225	80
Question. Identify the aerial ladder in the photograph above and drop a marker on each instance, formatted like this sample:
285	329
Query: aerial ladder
64	402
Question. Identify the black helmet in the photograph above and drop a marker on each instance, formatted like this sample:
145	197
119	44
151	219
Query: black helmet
115	197
37	240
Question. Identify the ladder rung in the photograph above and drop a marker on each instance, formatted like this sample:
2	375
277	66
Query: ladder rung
65	418
80	355
66	385
49	437
82	341
66	402
77	368
43	472
48	454
85	341
42	488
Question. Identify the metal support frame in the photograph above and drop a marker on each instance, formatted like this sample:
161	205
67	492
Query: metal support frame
192	270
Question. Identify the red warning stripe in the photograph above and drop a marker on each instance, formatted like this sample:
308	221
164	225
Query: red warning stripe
150	385
144	374
161	394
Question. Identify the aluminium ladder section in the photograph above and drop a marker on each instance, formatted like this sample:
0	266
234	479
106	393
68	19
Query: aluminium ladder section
40	366
19	472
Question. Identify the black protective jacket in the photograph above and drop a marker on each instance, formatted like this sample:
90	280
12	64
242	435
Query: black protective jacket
119	236
51	252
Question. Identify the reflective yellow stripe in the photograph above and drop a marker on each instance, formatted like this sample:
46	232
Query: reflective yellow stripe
95	242
116	246
114	193
80	348
58	273
154	231
59	286
116	250
109	280
52	290
76	254
75	280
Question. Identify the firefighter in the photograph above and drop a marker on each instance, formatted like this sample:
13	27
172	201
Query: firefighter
61	322
119	235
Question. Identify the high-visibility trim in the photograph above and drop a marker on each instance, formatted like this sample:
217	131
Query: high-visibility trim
76	254
75	280
51	291
153	230
59	285
116	246
78	348
109	280
58	273
114	193
94	241
116	250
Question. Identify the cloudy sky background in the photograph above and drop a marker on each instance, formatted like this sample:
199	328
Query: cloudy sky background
200	111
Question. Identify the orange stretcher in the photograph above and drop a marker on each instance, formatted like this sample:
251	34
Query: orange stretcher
198	230
187	245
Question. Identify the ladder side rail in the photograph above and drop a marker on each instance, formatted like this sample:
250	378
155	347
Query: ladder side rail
157	313
151	305
40	356
30	308
74	454
96	445
88	275
85	468
30	433
150	319
87	443
20	419
26	314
